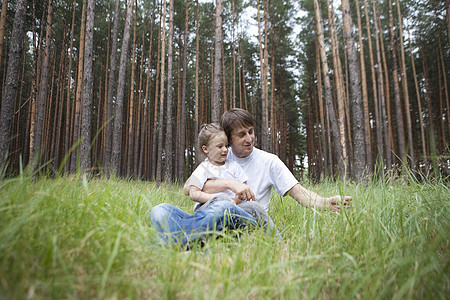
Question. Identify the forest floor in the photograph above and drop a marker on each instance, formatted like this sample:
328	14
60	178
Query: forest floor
70	238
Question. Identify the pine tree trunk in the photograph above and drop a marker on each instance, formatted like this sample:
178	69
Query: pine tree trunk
182	117
146	117
38	140
117	133
218	44
2	27
139	139
323	131
155	145
111	92
419	105
328	95
161	97
405	89
339	82
131	116
11	84
359	162
365	96
398	104
197	103
263	81
78	93
381	92
69	87
168	176
88	83
378	122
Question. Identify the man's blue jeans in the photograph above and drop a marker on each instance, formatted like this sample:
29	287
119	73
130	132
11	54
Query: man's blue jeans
174	224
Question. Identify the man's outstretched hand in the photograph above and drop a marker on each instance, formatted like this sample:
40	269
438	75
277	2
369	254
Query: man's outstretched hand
335	203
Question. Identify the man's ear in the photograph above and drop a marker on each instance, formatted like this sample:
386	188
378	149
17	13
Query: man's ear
205	149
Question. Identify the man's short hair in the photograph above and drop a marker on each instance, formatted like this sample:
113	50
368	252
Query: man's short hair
236	118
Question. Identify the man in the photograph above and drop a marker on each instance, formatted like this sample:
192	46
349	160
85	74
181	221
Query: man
264	170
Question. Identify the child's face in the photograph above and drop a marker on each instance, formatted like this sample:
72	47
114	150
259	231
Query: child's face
217	149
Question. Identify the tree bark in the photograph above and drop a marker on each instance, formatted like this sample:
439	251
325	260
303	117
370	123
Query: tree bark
328	94
168	176
88	83
218	44
365	96
405	90
11	84
359	162
197	103
182	117
111	91
38	140
117	133
78	93
2	27
161	97
131	116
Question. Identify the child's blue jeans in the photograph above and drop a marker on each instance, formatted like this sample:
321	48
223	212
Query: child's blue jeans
174	224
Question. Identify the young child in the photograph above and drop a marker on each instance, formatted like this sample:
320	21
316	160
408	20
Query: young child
214	144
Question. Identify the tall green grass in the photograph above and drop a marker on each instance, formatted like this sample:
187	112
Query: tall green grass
70	238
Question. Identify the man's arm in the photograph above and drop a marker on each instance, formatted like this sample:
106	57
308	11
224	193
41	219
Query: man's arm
212	186
311	199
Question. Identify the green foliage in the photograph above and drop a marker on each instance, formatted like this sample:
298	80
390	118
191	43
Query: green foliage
74	238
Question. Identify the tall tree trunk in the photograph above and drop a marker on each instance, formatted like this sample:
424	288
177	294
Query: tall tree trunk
111	91
218	44
405	89
88	83
117	133
182	117
155	145
139	139
359	163
38	141
339	82
168	176
2	27
197	103
60	106
381	92
131	102
365	96
11	84
444	77
146	118
328	94
398	104
447	10
69	88
419	104
378	122
323	131
78	93
161	96
263	65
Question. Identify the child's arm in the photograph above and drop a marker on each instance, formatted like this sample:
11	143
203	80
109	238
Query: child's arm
195	194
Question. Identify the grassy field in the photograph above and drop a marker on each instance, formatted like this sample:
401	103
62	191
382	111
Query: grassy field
69	238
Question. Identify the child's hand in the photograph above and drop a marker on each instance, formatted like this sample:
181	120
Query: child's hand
235	200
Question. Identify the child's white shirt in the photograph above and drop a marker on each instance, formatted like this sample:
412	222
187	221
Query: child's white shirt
206	170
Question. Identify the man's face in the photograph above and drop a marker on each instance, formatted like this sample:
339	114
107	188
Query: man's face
242	141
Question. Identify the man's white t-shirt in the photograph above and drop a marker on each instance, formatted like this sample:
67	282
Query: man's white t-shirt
206	170
265	171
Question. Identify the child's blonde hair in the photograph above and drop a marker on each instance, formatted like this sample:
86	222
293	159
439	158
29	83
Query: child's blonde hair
207	132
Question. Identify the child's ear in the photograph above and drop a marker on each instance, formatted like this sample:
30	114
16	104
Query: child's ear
205	149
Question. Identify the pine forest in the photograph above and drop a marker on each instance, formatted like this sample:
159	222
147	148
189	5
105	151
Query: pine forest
338	89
